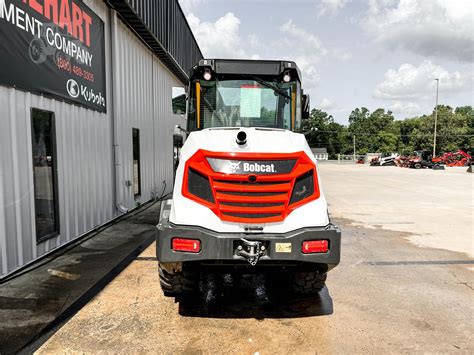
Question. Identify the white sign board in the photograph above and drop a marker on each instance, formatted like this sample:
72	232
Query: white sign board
250	101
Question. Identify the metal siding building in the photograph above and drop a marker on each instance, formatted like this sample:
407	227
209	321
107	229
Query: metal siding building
148	50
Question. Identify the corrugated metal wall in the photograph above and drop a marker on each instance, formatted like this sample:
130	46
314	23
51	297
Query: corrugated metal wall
164	125
84	191
139	97
182	44
164	28
143	88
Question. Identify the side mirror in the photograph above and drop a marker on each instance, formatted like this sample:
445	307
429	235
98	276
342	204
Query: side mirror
178	101
305	107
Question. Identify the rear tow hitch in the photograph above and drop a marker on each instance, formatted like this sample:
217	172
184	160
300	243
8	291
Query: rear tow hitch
252	251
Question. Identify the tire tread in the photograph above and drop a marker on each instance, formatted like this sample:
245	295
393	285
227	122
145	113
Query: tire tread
177	283
308	282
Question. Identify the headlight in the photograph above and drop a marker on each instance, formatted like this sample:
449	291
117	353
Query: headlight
304	187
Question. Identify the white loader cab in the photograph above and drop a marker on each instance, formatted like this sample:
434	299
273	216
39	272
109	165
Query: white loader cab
247	194
388	159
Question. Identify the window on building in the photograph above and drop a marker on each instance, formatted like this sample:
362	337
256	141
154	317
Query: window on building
136	161
44	174
178	100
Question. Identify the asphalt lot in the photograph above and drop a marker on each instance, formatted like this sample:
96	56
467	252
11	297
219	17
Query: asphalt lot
398	288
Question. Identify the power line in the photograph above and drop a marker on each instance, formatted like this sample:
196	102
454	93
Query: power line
398	135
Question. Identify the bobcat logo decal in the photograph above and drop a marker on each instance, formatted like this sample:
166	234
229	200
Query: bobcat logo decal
234	166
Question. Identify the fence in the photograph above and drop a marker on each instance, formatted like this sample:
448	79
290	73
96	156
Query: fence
349	158
321	156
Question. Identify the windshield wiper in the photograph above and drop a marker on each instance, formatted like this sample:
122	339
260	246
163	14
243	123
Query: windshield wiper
270	86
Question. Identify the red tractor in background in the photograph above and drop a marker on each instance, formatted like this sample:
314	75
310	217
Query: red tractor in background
459	158
420	159
423	159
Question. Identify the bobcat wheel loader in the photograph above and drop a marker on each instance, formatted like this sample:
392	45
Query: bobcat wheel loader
247	195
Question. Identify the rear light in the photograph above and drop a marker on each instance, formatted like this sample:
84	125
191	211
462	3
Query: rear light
189	245
315	246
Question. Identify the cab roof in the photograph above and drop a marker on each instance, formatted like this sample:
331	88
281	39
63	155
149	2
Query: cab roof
244	66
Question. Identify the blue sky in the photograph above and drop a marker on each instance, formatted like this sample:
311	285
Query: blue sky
372	53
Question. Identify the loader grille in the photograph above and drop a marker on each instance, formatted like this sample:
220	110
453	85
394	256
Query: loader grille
245	202
259	196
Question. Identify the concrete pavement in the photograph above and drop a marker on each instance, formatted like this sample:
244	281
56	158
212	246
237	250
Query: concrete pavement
387	295
34	302
435	207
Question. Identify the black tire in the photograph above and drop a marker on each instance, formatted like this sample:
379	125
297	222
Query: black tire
308	282
417	165
36	51
177	283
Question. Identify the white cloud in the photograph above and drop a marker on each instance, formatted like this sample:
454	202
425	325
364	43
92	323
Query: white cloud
442	28
309	70
189	6
326	104
223	39
330	7
341	54
406	109
253	40
220	39
310	41
411	82
306	53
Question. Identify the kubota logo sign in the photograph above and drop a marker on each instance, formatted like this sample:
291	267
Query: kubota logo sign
75	90
72	88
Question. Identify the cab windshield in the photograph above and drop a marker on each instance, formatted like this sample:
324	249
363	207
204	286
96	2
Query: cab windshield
251	102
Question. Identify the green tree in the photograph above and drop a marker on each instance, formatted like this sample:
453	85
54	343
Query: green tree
452	130
374	131
378	131
323	132
468	112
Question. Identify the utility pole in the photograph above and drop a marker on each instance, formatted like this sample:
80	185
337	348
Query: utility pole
436	118
354	140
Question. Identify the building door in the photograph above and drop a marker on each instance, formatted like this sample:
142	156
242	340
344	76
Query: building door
44	174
